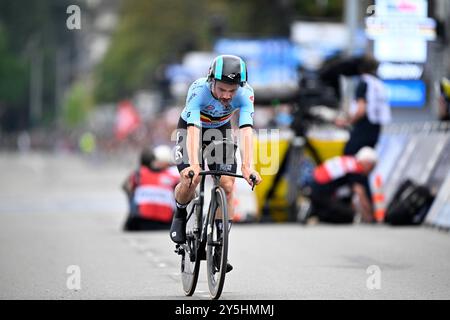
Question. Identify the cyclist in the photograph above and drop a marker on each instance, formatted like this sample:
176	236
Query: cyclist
210	104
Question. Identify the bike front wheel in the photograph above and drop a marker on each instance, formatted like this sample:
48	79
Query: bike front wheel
217	243
190	259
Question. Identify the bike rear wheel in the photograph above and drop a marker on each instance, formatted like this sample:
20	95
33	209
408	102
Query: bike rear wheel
190	259
217	243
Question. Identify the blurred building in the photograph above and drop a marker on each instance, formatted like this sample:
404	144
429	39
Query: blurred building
410	38
76	59
98	25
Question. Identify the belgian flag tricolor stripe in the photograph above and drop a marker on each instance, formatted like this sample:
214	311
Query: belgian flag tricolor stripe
210	119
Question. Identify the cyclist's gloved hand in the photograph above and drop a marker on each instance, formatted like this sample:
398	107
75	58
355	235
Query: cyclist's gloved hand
247	172
195	168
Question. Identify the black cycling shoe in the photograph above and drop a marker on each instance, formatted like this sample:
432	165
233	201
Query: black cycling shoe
216	262
178	227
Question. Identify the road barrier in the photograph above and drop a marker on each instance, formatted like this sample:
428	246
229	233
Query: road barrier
439	214
420	152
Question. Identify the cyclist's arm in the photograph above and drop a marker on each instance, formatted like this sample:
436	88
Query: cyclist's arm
193	103
192	144
246	147
246	134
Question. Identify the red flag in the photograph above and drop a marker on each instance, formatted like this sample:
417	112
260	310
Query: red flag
127	120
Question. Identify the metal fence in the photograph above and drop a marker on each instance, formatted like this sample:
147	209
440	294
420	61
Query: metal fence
419	151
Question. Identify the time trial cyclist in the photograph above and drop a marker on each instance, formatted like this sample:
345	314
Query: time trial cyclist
210	104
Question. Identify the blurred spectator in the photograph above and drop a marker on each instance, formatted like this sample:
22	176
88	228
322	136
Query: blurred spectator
444	99
369	111
150	191
339	191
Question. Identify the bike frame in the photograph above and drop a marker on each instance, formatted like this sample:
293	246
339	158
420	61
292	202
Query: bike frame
202	221
200	235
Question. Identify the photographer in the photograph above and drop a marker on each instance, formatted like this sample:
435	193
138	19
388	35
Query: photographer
150	191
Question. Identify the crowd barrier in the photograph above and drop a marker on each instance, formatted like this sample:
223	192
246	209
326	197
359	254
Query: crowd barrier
416	151
439	215
419	152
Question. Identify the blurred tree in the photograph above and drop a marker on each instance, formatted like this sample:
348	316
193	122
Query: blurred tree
13	82
13	88
148	33
319	9
155	32
77	105
263	18
30	32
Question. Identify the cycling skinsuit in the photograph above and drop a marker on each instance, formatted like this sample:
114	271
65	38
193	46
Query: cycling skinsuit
206	112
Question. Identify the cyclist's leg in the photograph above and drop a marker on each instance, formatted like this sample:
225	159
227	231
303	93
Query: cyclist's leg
227	163
184	191
227	183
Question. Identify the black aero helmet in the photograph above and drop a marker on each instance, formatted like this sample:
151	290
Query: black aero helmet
229	69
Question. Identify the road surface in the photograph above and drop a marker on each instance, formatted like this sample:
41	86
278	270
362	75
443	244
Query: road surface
61	238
